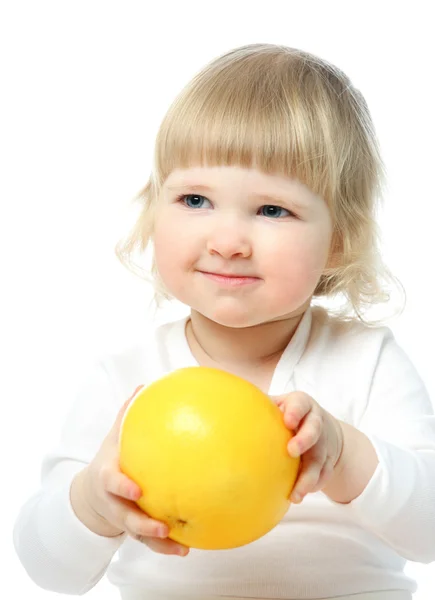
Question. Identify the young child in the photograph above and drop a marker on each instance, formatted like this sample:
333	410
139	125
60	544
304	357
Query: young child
262	199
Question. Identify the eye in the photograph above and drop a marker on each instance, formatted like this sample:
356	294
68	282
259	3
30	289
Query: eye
193	200
269	210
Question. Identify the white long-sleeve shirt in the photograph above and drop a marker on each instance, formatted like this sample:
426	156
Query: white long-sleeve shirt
320	548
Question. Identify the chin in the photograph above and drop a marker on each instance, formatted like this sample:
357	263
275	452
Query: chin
232	318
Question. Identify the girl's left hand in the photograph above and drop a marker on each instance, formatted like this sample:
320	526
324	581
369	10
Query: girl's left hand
318	440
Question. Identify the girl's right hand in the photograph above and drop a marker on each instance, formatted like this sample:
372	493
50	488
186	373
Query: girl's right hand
103	498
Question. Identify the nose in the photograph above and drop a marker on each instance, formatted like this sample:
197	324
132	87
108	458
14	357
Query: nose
229	239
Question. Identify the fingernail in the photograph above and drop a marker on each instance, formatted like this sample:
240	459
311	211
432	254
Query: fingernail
162	532
135	494
296	497
294	450
182	551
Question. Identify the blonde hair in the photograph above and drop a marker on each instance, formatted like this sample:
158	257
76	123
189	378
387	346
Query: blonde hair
286	111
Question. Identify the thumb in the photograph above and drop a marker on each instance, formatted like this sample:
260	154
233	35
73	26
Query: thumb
118	422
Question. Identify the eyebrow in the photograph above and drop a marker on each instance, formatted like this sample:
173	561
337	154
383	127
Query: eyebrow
267	198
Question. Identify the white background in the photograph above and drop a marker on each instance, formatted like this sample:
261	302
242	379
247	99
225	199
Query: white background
84	86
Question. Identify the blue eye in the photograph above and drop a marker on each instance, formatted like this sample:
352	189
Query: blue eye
193	200
269	210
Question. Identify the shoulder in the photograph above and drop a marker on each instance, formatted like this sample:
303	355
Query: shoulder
340	360
332	334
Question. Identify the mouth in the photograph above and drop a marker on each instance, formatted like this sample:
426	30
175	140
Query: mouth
230	279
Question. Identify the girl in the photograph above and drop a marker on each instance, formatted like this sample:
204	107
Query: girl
262	199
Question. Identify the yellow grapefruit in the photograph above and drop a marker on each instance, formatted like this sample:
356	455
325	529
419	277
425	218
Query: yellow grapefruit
209	451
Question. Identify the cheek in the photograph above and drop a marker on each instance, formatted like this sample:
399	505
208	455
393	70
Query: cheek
173	254
311	258
165	246
172	228
299	262
164	227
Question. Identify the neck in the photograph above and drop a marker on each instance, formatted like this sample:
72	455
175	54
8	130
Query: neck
247	348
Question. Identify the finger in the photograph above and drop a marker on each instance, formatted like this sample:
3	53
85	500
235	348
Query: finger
126	515
166	546
114	432
279	400
309	476
325	474
306	482
308	434
141	526
297	406
139	387
127	402
118	484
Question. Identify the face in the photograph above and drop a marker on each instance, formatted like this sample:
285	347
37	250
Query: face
239	246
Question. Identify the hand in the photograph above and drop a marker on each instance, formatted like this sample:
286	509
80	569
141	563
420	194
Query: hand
318	440
103	498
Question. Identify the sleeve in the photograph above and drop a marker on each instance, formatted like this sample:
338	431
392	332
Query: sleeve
58	552
398	503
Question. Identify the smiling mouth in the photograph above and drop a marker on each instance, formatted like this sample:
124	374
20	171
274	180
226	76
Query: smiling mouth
230	280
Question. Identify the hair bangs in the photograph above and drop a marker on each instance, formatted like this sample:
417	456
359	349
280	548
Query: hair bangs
244	117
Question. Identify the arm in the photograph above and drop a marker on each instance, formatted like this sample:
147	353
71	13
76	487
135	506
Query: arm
58	552
386	475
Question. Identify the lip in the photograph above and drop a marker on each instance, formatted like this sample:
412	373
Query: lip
230	280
